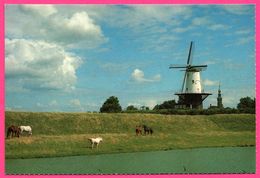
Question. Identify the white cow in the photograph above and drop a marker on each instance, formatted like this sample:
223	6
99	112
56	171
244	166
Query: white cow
95	141
26	129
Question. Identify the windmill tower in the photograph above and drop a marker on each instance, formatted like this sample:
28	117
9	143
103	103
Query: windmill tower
192	94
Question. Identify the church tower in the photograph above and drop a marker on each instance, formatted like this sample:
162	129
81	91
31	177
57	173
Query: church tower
219	99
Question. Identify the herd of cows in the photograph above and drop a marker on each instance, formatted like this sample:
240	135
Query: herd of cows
139	130
16	131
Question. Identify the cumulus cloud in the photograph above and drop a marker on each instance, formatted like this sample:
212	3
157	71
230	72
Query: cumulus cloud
40	65
37	9
73	30
78	31
138	75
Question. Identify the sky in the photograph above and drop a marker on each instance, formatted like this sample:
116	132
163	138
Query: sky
71	58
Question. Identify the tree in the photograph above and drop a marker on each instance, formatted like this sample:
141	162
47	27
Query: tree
111	105
144	108
246	103
131	108
165	105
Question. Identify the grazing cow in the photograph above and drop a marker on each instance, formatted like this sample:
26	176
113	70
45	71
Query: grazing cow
13	131
148	130
138	130
95	141
27	129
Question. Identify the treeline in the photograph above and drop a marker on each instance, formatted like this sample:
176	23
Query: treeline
111	105
195	111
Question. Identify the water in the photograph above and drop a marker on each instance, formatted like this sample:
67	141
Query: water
201	160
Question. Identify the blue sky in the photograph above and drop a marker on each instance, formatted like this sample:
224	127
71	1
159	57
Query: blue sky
73	57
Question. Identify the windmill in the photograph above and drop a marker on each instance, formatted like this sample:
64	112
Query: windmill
191	94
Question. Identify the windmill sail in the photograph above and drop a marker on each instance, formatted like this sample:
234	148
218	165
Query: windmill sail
191	94
189	56
190	70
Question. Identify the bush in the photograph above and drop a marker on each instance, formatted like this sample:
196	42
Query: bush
204	111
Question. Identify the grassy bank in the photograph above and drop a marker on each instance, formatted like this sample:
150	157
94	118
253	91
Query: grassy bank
64	134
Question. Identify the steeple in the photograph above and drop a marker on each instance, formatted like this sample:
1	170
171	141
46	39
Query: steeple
219	99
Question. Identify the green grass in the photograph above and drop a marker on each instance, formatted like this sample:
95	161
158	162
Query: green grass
65	134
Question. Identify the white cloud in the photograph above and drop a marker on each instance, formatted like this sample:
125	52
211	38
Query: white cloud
231	65
79	31
73	30
81	20
157	77
182	29
141	17
75	102
78	26
229	100
195	22
208	82
201	22
138	75
150	103
243	32
210	62
138	105
245	40
240	41
146	23
76	105
53	103
42	10
8	108
40	105
40	65
230	96
207	22
144	102
198	21
161	13
237	9
218	27
114	67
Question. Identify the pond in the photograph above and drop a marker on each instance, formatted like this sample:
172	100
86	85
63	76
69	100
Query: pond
199	160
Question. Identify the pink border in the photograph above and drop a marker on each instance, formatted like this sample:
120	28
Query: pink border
2	79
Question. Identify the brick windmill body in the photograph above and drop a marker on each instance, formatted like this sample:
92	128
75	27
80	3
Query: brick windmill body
192	95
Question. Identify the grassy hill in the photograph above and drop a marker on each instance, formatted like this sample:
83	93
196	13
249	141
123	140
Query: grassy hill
62	134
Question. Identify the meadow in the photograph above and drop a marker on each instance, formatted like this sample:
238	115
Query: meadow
66	134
